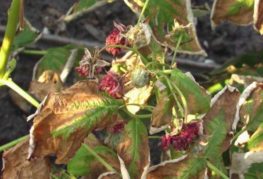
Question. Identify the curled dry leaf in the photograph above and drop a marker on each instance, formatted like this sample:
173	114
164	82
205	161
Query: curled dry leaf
258	16
224	102
161	115
133	149
60	110
48	82
232	11
172	22
17	166
183	167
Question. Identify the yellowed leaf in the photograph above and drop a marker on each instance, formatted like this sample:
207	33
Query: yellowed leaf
17	166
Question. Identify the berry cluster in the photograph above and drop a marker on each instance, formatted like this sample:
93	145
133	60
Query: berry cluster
112	84
182	140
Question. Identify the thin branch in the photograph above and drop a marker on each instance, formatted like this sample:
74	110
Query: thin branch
74	16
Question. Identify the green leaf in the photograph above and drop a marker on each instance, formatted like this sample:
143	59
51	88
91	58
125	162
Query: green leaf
54	60
217	132
24	38
81	163
255	171
84	4
198	101
194	166
256	120
256	140
238	5
133	148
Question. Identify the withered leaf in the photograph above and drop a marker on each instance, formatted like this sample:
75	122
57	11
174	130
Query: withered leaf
17	166
172	22
60	110
161	115
232	11
183	167
48	82
133	148
223	103
258	16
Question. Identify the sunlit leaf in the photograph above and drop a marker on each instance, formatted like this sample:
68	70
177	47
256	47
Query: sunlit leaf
17	166
255	143
137	97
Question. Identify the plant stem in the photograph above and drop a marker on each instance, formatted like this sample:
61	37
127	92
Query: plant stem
20	91
13	18
34	52
216	170
101	160
143	10
13	143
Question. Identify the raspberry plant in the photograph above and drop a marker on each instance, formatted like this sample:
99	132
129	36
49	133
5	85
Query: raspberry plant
100	127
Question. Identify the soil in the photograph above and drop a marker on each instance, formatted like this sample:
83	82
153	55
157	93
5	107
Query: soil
225	42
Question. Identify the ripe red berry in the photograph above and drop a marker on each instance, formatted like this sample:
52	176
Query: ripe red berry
115	38
112	84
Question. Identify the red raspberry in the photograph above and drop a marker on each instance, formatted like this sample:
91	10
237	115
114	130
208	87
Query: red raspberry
116	38
112	84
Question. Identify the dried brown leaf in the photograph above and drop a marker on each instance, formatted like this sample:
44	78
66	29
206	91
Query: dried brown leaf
60	110
161	115
17	166
221	12
48	82
225	101
258	16
176	169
